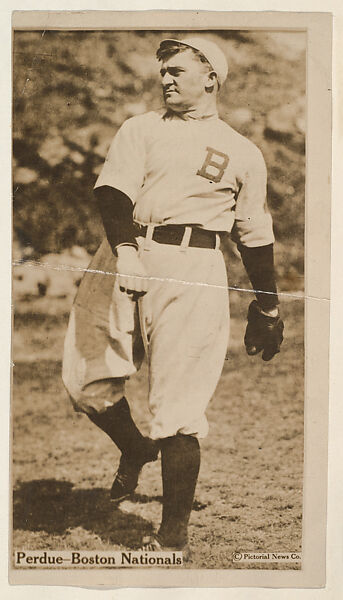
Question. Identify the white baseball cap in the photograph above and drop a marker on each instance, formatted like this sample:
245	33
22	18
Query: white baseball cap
211	52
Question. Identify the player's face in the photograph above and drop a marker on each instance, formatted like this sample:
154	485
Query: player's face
184	81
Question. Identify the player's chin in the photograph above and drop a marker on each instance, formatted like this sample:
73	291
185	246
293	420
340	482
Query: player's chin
171	99
168	100
176	107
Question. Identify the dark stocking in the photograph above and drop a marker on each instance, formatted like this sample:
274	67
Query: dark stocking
117	422
180	468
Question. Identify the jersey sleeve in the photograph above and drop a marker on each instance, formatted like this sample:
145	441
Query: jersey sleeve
253	223
123	168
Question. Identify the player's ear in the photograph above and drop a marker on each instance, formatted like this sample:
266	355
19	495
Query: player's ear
211	83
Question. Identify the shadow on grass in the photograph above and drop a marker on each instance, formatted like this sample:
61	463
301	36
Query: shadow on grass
56	508
144	499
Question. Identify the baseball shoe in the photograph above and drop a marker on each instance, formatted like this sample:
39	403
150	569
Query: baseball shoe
126	477
151	543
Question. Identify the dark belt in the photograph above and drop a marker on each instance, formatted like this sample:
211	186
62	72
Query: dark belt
173	234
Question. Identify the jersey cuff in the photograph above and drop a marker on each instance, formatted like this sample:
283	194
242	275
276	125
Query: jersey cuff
125	244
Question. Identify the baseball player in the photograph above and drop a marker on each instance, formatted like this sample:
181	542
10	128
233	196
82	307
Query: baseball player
173	183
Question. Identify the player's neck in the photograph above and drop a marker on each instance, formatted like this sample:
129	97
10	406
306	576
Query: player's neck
206	108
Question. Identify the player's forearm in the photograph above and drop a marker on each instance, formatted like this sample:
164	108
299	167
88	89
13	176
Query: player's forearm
259	265
117	216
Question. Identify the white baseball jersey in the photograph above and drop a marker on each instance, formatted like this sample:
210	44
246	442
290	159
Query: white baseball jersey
195	171
199	172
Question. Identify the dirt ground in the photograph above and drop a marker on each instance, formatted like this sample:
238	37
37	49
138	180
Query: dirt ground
249	494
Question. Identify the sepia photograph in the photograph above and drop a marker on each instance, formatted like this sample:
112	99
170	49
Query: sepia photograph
159	287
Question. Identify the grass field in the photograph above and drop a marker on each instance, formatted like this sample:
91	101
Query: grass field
249	495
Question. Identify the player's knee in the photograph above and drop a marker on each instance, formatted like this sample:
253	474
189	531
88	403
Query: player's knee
98	396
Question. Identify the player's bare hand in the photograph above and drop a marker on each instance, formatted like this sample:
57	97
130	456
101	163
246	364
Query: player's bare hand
132	276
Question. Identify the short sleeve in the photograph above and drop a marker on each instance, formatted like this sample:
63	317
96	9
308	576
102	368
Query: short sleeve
253	222
124	165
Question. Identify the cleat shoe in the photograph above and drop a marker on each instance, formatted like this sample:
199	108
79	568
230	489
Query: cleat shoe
126	478
152	543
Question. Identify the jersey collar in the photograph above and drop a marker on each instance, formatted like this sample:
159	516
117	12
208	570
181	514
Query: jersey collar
190	115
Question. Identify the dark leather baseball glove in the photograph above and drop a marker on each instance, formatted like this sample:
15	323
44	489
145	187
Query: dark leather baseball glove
263	333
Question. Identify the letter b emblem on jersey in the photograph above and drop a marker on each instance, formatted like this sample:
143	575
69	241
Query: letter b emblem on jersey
214	165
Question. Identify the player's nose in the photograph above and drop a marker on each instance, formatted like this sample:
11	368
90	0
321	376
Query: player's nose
167	79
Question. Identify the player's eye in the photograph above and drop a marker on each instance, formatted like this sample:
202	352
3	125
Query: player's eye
175	72
172	71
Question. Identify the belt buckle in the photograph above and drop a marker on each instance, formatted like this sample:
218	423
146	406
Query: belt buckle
186	238
148	237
